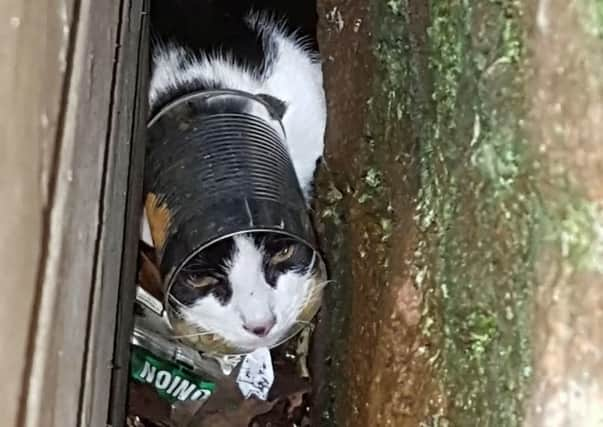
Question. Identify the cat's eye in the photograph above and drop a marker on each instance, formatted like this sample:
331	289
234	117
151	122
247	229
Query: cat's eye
283	255
203	282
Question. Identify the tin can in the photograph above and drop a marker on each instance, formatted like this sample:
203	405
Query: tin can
213	172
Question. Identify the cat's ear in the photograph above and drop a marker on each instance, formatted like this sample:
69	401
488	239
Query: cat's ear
277	107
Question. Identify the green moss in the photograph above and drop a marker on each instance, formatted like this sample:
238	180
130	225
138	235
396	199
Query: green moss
362	212
592	16
484	211
331	215
373	178
479	210
575	228
480	205
488	210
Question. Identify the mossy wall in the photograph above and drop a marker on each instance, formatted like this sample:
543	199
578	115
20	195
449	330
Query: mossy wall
478	208
465	232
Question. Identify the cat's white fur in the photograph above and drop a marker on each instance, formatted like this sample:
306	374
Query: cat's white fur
254	303
294	77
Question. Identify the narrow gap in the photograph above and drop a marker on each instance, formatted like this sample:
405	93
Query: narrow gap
303	14
100	229
126	294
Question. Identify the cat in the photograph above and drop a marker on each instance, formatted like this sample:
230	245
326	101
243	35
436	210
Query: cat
250	289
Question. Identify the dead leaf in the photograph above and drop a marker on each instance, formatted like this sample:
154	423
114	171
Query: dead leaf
289	406
302	350
226	407
296	400
144	402
239	416
305	422
287	384
149	276
134	421
184	413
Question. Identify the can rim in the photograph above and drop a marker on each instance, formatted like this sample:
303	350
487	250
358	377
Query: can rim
204	246
210	93
307	241
174	273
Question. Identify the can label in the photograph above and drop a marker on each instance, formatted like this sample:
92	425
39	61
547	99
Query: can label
172	382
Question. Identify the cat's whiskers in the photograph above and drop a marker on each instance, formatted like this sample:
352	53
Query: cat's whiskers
324	284
175	303
305	323
196	334
315	289
178	308
192	269
201	331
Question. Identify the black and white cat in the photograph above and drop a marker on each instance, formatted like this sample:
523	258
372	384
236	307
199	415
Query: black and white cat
249	289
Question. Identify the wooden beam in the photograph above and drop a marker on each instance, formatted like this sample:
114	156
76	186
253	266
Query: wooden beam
60	332
114	288
70	93
33	67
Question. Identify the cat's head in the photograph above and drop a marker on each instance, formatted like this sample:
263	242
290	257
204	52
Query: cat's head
250	290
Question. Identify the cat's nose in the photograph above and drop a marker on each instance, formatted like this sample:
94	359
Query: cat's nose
260	329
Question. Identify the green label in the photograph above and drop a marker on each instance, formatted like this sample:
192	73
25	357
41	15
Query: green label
171	381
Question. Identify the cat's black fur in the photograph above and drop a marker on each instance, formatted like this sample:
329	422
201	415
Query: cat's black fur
207	27
214	261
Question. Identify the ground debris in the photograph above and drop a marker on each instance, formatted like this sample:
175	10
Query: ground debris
287	404
225	408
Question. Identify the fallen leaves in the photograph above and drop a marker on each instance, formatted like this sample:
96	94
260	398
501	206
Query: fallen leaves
226	407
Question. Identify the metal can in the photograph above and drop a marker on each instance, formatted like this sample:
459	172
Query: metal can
212	172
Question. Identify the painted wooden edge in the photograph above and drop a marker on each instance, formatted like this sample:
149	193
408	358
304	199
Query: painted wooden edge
55	378
121	209
127	289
